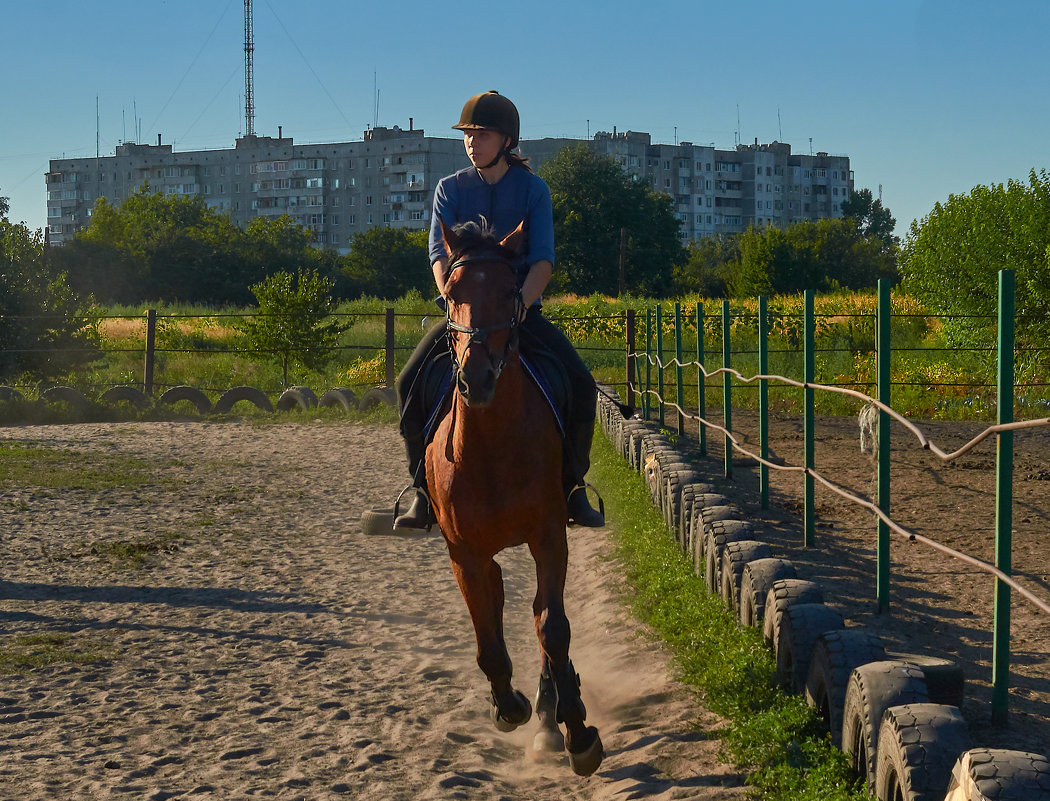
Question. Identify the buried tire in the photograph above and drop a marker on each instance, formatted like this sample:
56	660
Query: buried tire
339	396
945	679
67	395
872	689
918	745
254	396
132	395
995	774
835	654
187	393
782	594
296	398
799	629
717	534
376	396
755	581
735	558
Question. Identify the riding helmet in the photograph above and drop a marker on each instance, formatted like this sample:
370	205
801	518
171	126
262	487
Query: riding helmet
491	111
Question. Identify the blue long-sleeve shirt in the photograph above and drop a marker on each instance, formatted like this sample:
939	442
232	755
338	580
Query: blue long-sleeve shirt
518	196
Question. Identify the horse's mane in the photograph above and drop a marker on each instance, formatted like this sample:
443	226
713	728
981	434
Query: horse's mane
478	236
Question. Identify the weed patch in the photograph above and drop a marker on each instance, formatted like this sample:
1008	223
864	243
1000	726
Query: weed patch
35	651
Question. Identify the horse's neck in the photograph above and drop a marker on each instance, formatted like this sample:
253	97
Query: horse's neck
506	418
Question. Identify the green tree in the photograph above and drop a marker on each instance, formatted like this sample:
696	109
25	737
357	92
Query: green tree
593	199
870	217
293	324
951	259
388	262
42	321
705	269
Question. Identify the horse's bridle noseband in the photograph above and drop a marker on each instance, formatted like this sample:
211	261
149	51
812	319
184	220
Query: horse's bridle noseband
480	335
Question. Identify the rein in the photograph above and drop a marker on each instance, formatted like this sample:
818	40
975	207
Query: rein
480	335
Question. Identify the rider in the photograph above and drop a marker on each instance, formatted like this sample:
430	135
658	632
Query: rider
500	188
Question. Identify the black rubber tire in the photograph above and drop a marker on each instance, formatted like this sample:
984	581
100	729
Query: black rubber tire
302	398
782	594
254	396
918	745
945	679
835	654
717	534
674	482
996	774
132	395
735	558
338	396
10	394
872	689
377	395
755	581
67	395
187	393
799	629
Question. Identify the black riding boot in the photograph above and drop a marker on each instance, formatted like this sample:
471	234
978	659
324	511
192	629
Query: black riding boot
418	514
577	461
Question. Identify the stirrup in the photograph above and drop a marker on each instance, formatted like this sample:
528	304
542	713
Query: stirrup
428	510
584	486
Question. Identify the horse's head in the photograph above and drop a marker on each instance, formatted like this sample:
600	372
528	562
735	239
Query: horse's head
483	306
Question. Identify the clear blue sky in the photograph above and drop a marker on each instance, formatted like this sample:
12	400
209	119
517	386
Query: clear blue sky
927	97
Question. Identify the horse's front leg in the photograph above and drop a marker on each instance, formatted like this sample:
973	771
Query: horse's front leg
552	627
481	582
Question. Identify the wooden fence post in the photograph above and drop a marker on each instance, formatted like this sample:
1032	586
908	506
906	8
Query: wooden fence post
150	358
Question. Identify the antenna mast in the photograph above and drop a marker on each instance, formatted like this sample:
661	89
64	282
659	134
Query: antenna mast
249	49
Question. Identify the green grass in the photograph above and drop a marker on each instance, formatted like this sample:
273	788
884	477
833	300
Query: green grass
28	465
35	651
774	738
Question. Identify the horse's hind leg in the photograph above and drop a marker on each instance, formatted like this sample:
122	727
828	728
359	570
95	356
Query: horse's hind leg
549	737
481	582
552	626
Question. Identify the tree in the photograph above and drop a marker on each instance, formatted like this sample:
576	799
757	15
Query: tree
42	321
705	270
821	255
388	262
292	325
952	257
593	198
870	217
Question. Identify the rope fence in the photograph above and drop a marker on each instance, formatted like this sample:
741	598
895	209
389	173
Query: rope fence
880	412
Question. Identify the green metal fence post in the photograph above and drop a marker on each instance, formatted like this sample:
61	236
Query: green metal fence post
763	403
679	395
808	323
1004	471
648	361
727	391
660	360
701	381
882	490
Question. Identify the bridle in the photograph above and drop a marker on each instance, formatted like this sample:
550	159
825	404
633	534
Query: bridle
480	335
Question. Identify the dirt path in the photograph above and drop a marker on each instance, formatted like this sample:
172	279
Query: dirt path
261	647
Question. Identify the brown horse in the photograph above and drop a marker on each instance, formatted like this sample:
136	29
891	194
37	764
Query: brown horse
494	470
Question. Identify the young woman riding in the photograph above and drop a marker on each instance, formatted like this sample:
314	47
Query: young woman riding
500	191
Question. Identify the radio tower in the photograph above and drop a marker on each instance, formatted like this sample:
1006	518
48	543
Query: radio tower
249	94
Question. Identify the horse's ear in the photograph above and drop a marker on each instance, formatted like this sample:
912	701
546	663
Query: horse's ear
449	236
515	239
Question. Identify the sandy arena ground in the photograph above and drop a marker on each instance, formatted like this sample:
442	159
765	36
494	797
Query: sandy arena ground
266	648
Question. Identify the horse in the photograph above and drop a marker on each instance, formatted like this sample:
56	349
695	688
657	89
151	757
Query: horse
493	469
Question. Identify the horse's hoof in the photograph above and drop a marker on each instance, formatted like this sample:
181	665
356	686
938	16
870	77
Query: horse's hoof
551	740
588	760
510	723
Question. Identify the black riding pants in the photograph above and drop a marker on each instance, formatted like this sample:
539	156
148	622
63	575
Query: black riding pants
535	330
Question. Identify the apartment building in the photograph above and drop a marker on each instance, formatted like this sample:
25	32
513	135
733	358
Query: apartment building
388	178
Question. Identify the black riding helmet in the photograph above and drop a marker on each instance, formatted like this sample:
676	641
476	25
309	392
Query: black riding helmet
493	112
